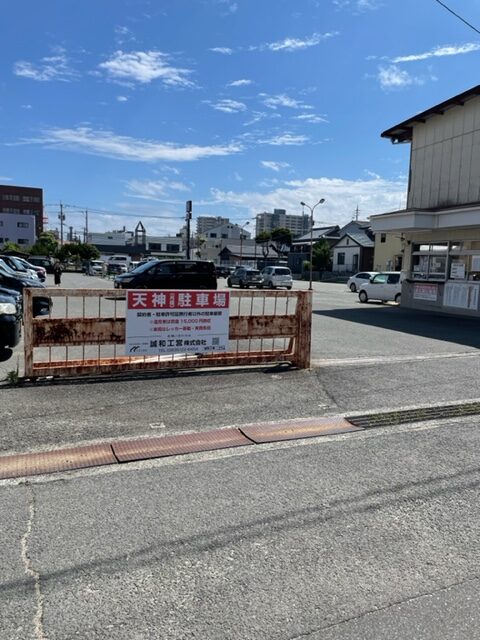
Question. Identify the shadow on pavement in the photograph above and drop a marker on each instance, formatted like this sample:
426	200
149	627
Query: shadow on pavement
453	329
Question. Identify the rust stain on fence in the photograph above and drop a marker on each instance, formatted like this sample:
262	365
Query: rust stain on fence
267	331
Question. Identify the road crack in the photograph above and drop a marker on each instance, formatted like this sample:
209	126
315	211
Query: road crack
30	569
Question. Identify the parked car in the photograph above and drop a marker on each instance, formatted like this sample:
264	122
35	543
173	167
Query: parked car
385	286
114	268
222	272
41	261
355	282
40	271
169	274
245	277
10	321
17	267
274	277
41	304
95	268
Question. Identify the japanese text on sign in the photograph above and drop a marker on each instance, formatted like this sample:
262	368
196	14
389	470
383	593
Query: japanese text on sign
168	322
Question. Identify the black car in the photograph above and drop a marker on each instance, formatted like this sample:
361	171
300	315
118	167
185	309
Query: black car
10	321
41	305
169	274
222	272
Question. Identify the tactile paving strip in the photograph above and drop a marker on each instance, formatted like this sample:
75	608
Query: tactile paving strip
298	429
30	464
129	450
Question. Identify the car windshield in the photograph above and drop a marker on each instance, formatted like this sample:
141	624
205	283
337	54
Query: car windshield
253	272
282	272
18	264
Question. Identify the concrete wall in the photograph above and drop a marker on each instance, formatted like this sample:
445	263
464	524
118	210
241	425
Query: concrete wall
445	160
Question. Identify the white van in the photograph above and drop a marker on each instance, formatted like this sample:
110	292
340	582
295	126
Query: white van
120	258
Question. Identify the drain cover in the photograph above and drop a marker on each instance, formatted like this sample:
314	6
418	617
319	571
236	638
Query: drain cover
392	418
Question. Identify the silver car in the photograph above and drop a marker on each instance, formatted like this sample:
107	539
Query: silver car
274	277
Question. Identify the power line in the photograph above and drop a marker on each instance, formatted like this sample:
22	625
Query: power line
458	16
74	208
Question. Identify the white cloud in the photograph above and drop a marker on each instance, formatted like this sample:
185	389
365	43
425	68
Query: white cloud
26	106
295	44
358	6
5	179
154	189
239	83
440	52
122	98
227	106
393	77
107	144
311	117
373	196
274	166
226	51
145	67
285	139
56	67
272	102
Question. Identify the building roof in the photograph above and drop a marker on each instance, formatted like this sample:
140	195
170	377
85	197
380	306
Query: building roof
403	132
246	251
317	234
362	239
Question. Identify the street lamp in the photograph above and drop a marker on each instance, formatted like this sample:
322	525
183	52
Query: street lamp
241	239
312	209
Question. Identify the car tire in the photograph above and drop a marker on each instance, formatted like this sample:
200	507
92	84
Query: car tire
398	298
288	288
353	287
362	296
229	282
241	285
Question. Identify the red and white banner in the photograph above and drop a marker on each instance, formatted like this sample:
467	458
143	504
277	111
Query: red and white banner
166	322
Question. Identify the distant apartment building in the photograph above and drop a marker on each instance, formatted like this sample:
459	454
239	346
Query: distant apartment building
21	212
17	228
229	231
297	224
205	223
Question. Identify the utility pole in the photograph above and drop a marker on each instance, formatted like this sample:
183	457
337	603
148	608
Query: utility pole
357	211
188	217
62	219
86	227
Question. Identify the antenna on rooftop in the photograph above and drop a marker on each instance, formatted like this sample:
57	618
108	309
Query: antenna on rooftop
357	211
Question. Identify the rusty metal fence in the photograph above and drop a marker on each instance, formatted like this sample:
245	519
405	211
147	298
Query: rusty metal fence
84	333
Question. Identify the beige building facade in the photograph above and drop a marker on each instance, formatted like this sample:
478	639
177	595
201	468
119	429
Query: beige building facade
441	225
389	251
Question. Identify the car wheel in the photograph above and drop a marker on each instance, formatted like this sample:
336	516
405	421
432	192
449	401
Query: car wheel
362	296
241	285
229	282
398	297
288	288
353	287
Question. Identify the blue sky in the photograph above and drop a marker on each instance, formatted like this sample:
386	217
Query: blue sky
132	107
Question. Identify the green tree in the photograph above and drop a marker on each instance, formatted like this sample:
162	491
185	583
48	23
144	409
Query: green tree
11	246
263	239
46	245
281	240
77	251
322	255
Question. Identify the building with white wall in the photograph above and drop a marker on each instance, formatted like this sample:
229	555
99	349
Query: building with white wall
18	228
440	225
205	223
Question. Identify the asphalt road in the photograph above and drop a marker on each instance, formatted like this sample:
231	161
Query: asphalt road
367	535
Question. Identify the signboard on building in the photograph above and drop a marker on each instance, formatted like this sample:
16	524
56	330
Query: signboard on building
457	271
424	291
167	322
461	296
